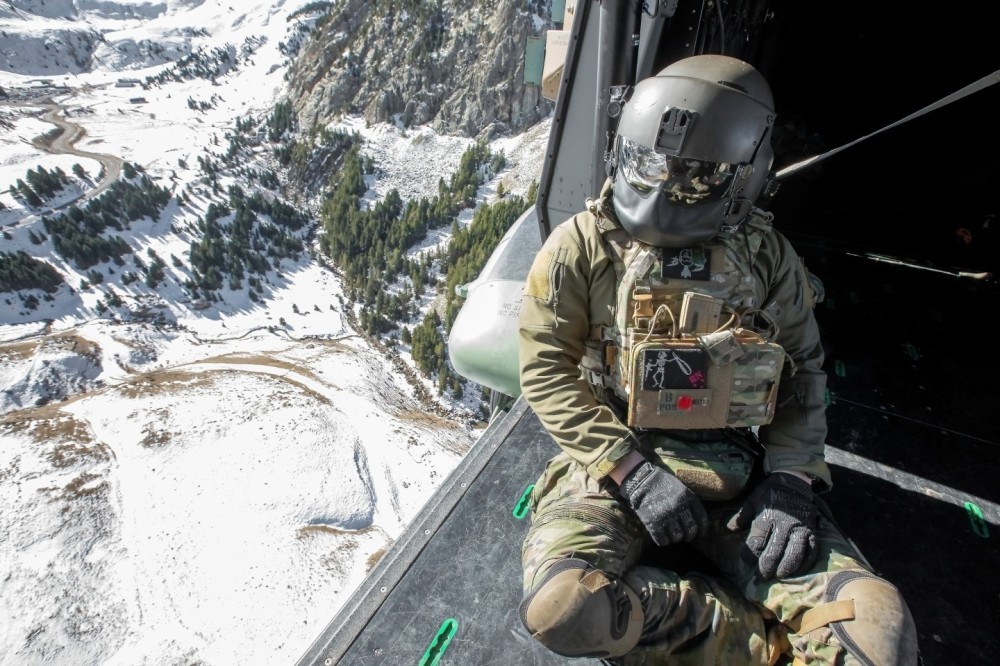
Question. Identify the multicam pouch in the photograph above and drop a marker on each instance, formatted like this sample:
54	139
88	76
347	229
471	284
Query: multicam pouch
715	471
726	378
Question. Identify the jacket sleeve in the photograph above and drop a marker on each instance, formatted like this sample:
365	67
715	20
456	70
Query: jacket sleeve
554	324
796	438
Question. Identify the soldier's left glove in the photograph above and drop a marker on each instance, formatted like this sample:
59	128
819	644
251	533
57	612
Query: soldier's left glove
782	515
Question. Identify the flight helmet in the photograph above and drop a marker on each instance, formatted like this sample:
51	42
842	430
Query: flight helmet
692	150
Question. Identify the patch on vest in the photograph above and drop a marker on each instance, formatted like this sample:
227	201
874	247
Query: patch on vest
665	368
687	263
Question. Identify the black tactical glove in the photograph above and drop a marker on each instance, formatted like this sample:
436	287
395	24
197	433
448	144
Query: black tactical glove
670	511
782	516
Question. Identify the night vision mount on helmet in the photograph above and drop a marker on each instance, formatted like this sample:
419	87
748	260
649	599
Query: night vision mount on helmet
692	151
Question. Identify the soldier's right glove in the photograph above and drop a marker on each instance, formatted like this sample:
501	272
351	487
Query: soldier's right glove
670	511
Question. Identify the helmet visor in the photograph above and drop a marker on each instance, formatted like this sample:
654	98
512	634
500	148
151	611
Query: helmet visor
682	179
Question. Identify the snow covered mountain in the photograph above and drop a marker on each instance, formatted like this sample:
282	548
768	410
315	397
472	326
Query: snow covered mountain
194	480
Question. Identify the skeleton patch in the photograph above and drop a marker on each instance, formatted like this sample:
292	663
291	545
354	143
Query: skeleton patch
666	368
687	263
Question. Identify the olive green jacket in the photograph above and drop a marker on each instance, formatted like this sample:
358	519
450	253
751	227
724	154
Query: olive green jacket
571	288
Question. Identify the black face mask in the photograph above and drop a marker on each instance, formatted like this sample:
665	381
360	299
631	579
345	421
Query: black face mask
656	220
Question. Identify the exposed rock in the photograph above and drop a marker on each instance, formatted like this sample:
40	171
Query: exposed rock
456	65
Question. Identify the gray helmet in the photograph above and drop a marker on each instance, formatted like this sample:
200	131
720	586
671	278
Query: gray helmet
692	151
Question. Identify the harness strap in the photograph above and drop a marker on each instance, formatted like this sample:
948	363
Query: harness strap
814	618
820	616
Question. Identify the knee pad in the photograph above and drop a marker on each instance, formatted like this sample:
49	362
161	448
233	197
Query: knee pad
579	611
869	619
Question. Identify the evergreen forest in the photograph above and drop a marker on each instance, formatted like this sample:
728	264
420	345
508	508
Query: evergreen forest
399	293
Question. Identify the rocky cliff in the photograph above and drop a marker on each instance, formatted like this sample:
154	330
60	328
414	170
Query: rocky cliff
456	65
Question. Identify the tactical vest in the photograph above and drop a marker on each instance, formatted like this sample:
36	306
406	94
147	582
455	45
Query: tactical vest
689	347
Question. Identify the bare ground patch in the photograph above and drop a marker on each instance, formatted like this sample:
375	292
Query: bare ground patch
71	439
163	382
271	362
47	423
335	345
85	485
19	351
346	544
154	437
319	397
427	418
74	343
313	530
374	558
259	359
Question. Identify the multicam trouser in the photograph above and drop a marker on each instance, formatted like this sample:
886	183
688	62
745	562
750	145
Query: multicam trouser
690	617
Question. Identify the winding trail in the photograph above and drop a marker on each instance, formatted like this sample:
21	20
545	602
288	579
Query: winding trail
64	142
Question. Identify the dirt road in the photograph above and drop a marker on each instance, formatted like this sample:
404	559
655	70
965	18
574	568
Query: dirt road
64	142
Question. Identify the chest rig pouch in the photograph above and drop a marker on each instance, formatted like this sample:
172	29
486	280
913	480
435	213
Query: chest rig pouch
682	354
709	379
